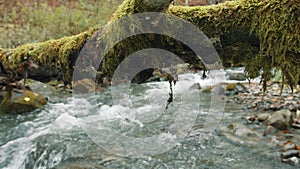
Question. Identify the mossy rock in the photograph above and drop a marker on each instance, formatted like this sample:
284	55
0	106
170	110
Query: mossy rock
207	89
53	83
230	87
22	102
235	86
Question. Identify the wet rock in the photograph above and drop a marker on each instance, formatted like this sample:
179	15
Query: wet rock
106	82
3	80
251	119
53	83
241	130
239	76
240	88
292	160
275	107
86	86
21	101
289	153
263	117
270	130
288	135
272	100
217	90
181	68
240	133
157	76
195	86
206	89
230	87
45	89
288	146
235	88
281	119
296	126
297	115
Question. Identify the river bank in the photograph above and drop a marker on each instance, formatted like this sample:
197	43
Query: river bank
277	111
256	100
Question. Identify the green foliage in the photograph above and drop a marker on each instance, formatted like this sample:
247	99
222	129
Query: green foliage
40	22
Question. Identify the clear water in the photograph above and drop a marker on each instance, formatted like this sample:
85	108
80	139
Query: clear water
64	134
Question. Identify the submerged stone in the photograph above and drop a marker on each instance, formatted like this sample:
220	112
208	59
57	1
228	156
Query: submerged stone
241	130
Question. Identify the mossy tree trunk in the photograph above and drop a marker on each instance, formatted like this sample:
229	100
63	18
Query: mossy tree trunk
257	34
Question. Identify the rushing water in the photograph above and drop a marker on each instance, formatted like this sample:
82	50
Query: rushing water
64	134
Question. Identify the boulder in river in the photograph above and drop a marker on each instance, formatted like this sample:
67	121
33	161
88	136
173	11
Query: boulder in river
45	89
263	117
241	130
240	133
21	101
195	86
280	120
239	76
86	86
292	160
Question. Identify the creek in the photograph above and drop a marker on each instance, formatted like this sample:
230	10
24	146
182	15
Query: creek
132	128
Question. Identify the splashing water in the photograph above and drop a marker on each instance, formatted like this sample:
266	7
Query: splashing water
54	137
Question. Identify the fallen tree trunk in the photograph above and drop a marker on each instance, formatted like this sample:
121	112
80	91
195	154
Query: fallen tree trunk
257	34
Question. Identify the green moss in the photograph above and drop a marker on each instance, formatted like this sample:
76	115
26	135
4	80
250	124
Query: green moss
35	100
2	53
230	87
139	6
26	102
56	52
207	89
251	34
127	7
276	24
